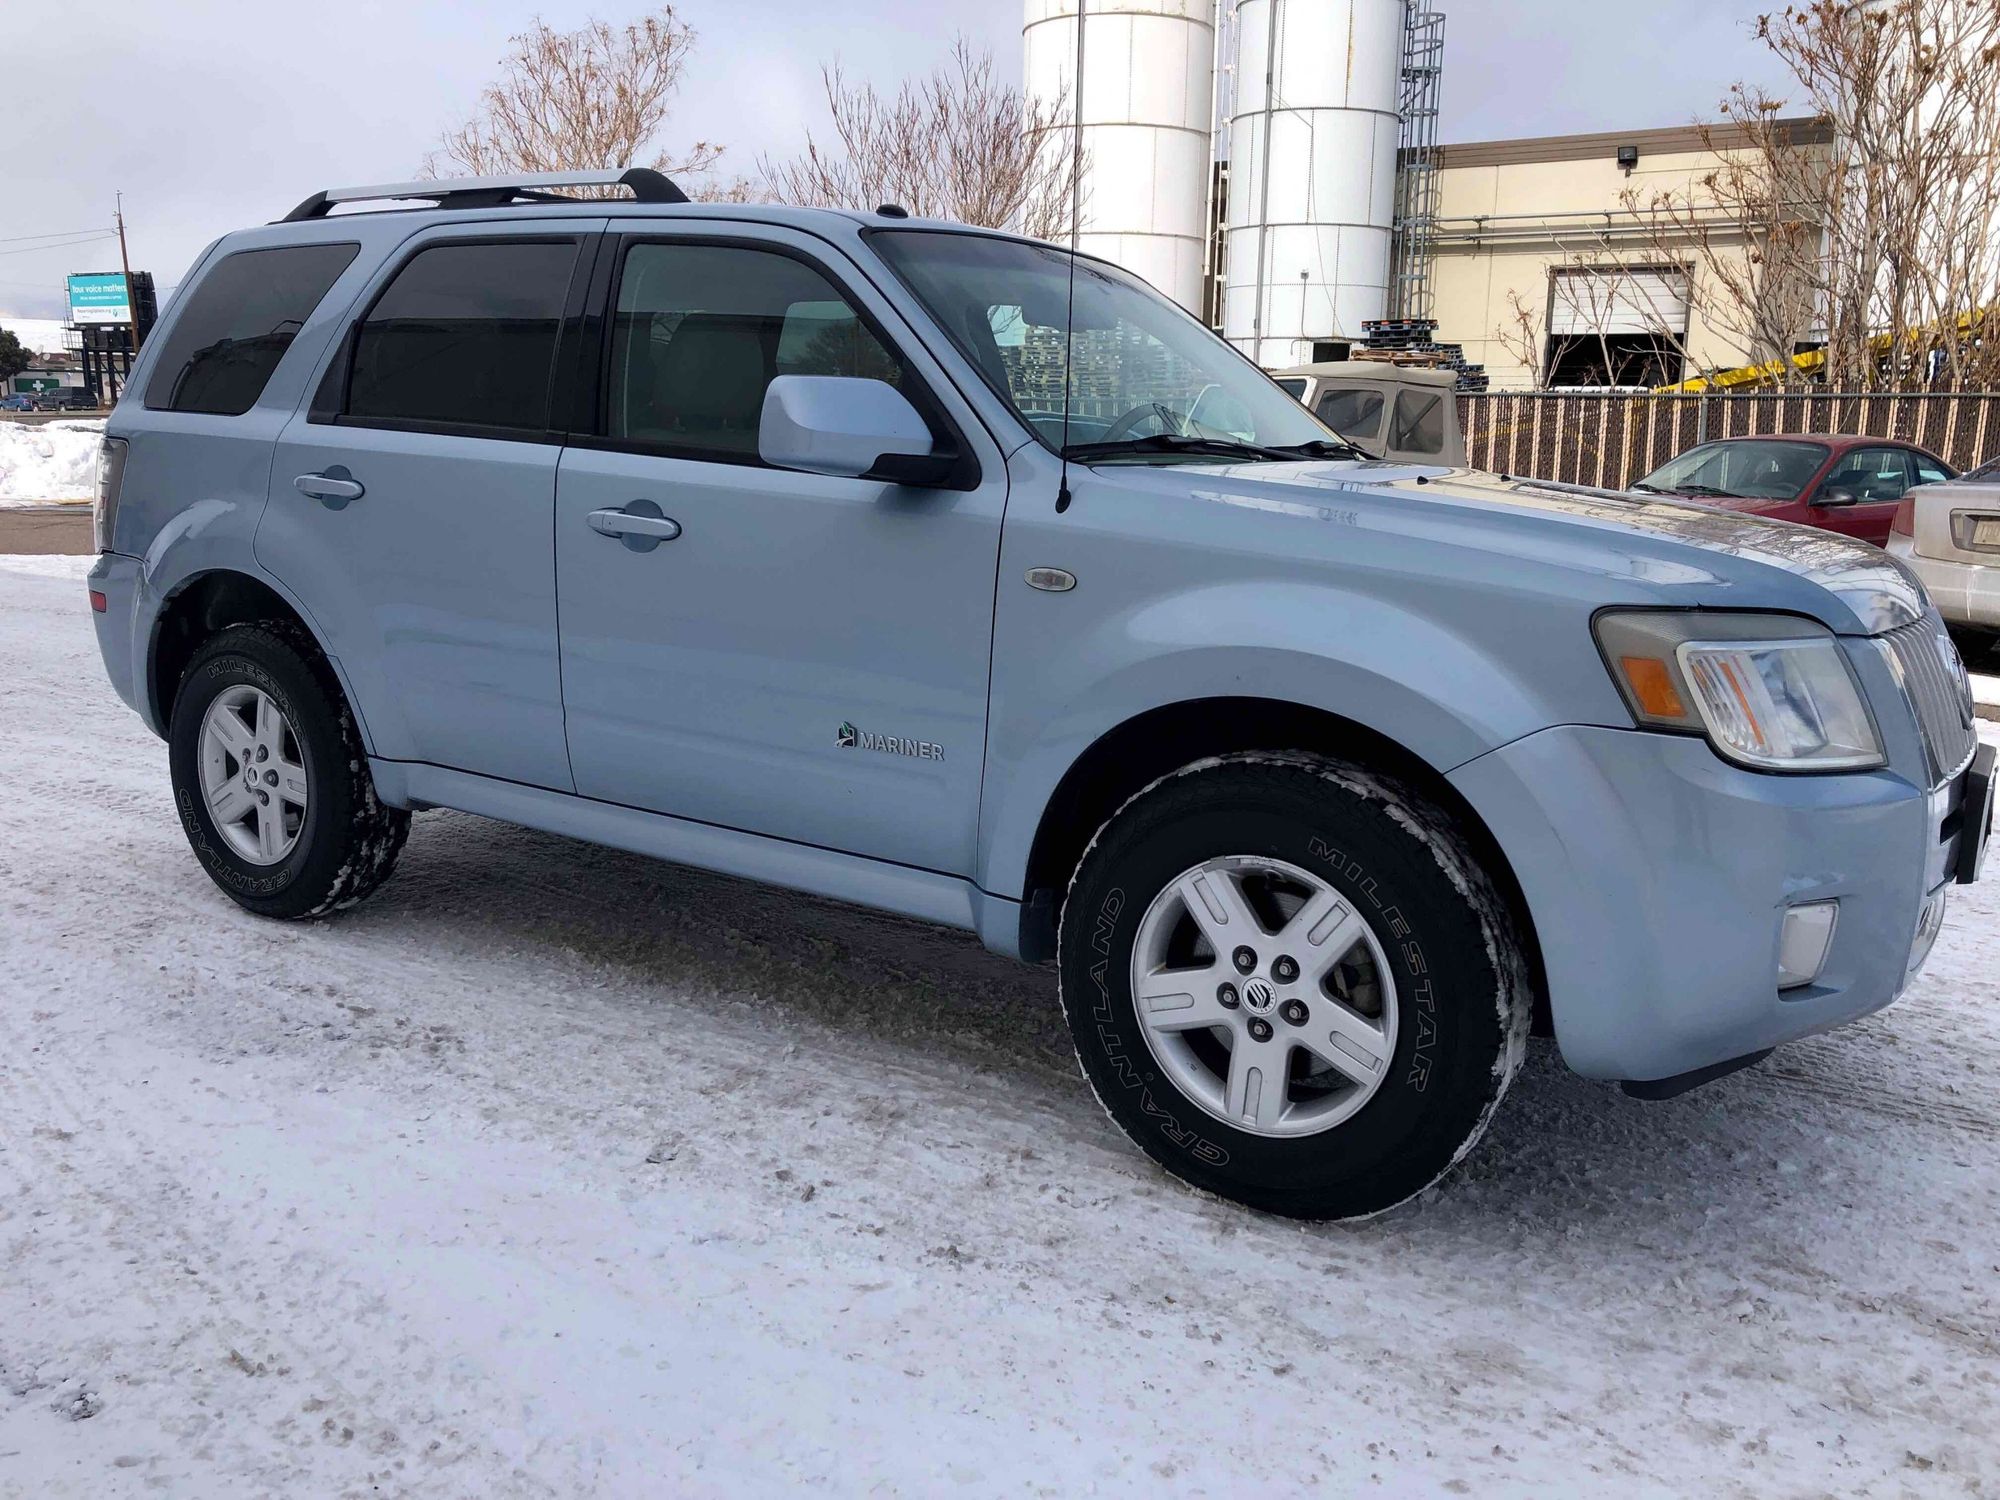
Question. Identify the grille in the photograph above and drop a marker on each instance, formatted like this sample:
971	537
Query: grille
1935	681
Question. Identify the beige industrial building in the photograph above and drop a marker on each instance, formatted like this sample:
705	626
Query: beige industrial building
1546	220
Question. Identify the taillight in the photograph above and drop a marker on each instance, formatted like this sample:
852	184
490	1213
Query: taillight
1905	522
110	480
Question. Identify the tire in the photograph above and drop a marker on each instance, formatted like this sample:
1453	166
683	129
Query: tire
342	842
1410	1086
1977	646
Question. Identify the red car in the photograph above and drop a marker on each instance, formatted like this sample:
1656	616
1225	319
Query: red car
1845	484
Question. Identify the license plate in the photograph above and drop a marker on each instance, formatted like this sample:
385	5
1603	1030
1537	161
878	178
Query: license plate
1986	532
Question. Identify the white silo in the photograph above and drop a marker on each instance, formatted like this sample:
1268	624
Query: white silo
1146	110
1312	173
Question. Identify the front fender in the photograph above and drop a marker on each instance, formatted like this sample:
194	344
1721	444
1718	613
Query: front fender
1294	644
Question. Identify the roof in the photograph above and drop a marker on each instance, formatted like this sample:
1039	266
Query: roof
1373	369
1838	441
1672	140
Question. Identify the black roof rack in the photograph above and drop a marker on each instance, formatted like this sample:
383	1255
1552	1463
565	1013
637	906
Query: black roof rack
647	186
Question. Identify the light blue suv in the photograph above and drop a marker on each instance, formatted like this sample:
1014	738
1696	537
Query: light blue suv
934	570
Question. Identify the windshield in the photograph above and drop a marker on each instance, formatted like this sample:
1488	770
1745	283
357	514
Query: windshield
1147	383
1746	470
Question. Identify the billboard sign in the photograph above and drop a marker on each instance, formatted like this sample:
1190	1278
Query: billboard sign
27	385
99	297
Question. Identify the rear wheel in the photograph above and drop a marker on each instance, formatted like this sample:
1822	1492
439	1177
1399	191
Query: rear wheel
1290	982
271	779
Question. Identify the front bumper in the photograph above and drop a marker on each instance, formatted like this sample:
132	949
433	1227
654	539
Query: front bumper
1965	593
1658	875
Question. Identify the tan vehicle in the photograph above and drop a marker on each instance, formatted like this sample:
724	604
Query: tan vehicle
1393	411
1949	536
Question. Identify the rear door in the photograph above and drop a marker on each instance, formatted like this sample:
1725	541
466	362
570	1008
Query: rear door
807	657
412	505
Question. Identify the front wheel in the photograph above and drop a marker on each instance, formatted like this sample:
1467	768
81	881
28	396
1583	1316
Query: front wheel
1291	983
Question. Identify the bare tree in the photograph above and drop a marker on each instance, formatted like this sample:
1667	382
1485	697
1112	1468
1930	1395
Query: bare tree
959	144
569	101
1873	231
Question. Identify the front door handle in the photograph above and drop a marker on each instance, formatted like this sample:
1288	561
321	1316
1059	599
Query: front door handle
333	487
640	525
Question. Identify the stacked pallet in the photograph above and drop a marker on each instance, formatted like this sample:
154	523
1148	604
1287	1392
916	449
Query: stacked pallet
1413	342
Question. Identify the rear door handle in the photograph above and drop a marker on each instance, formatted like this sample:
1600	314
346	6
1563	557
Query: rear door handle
333	487
640	526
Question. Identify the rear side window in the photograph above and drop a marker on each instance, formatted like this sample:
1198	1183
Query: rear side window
1352	413
464	337
239	321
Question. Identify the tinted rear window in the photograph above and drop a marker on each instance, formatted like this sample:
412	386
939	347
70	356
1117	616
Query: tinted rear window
465	336
239	321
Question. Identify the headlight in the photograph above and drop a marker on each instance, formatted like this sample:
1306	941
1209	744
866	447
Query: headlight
1773	692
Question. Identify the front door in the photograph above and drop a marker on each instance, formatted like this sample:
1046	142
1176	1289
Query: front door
785	653
412	508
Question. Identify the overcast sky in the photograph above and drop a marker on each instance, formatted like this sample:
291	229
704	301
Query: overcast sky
213	114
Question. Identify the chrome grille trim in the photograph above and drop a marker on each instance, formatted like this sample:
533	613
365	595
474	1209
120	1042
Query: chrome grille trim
1934	682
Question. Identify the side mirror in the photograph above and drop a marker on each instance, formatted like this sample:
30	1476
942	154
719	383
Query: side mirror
850	427
1836	497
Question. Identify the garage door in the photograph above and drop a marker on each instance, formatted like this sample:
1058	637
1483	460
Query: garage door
1618	299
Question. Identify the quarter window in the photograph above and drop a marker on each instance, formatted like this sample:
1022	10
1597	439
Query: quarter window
1419	423
239	321
464	337
1351	413
700	333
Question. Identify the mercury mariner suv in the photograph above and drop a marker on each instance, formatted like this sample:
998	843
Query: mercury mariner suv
936	570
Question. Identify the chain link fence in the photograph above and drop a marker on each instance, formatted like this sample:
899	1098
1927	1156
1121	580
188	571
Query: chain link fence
1611	440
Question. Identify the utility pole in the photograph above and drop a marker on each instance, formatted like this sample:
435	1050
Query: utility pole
131	302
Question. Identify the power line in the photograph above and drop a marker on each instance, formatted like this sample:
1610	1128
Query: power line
104	234
53	234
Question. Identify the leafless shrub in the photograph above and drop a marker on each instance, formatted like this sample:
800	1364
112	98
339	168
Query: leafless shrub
569	101
958	144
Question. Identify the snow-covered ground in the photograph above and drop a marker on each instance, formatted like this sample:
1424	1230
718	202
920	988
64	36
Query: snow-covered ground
46	461
556	1172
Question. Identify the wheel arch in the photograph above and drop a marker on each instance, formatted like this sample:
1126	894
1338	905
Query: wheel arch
1139	751
197	607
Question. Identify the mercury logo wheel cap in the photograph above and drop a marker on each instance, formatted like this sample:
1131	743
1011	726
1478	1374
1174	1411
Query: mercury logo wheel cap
1258	997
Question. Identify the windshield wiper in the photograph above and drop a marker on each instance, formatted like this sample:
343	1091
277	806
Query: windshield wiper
1708	489
1326	448
1174	442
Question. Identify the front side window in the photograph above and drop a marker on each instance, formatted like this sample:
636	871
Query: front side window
700	333
464	337
1870	474
1108	366
239	321
1753	469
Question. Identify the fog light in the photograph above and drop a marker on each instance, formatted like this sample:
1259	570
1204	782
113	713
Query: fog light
1803	940
1930	922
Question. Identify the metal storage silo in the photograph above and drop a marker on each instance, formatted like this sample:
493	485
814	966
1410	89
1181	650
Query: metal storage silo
1147	103
1312	173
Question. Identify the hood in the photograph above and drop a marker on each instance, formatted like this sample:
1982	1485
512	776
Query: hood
1696	552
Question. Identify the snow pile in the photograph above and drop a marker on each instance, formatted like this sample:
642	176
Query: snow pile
53	461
